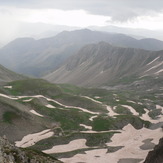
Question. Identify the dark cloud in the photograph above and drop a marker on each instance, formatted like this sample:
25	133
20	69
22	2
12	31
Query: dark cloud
119	10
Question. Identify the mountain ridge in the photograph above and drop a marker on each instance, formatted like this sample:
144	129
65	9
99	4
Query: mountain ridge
39	57
102	63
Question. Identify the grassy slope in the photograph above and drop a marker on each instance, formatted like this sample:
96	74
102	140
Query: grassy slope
68	120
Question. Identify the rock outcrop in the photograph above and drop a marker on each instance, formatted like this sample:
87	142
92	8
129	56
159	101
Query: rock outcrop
11	154
156	156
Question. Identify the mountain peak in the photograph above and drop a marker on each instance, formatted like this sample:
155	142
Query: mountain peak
103	43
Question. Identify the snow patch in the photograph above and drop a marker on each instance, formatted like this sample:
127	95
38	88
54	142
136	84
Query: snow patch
97	97
159	107
9	97
154	67
153	61
28	100
50	106
86	127
34	112
9	87
111	112
73	145
131	109
31	139
92	99
159	71
131	101
91	119
131	140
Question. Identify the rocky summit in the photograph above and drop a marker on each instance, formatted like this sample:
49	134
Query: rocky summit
11	154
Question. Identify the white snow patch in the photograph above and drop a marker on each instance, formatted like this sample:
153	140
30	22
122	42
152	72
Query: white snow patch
159	107
86	127
154	67
28	100
91	118
50	106
111	112
97	97
92	99
31	139
34	112
131	101
130	138
131	109
48	99
73	145
9	87
9	97
75	107
153	61
146	117
159	71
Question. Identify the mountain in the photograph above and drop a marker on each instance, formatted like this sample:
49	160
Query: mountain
7	75
39	57
104	64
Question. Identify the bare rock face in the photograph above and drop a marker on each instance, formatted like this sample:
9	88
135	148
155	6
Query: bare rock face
11	154
156	156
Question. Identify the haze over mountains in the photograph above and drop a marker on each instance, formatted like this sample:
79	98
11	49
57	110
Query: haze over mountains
38	57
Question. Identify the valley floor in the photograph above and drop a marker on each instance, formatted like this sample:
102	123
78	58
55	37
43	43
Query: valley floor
126	143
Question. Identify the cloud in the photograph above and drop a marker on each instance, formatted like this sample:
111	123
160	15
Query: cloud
119	10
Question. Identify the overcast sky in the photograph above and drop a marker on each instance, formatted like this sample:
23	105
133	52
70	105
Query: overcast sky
147	14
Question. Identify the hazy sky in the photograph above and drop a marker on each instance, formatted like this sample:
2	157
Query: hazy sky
147	14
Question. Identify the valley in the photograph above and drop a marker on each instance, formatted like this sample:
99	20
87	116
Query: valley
73	123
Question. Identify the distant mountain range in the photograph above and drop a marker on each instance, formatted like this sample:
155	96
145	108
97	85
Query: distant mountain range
39	57
103	64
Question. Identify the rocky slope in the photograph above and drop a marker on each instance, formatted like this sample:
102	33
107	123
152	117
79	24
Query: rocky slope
7	75
38	57
156	156
11	154
104	64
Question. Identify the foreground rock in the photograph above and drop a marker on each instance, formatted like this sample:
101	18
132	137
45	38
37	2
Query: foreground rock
156	156
11	154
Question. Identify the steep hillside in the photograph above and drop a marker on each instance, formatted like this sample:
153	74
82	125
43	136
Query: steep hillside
104	64
37	57
7	75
